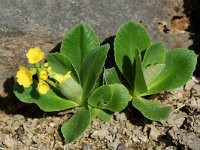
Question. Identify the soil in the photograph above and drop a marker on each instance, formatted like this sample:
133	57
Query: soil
30	128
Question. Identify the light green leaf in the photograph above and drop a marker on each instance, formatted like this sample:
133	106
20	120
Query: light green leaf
61	64
151	72
151	109
130	35
92	67
180	64
104	115
139	84
77	43
47	102
71	90
110	76
155	54
76	125
113	97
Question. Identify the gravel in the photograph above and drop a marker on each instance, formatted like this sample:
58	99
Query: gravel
182	129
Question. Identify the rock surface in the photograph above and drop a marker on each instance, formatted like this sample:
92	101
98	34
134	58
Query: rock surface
24	24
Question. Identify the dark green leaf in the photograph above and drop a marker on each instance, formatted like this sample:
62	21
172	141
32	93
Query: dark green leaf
27	95
113	97
101	114
76	125
61	64
77	43
130	35
92	67
47	102
151	109
155	54
110	76
139	84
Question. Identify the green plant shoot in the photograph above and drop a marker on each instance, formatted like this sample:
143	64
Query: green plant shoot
149	68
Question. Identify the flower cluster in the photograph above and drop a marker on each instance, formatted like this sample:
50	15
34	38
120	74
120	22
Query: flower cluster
43	71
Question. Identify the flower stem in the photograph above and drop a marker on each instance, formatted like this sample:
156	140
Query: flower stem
51	83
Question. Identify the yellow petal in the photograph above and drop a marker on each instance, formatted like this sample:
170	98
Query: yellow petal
43	87
24	77
35	55
60	78
43	75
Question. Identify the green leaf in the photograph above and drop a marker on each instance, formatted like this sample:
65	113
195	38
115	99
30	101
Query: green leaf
92	67
110	76
26	95
139	84
130	35
180	64
71	90
76	125
61	64
113	97
151	109
151	72
155	54
77	43
104	115
52	102
48	102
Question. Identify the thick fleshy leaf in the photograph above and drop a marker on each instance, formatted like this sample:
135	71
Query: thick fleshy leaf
71	90
155	54
180	64
130	35
113	97
61	64
47	102
92	67
151	72
139	84
110	76
76	125
151	109
104	115
77	43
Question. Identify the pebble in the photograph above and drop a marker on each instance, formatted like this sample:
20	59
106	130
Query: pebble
9	143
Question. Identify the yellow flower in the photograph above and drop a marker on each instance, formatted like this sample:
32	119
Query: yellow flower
24	77
49	69
43	75
45	65
34	55
60	78
43	87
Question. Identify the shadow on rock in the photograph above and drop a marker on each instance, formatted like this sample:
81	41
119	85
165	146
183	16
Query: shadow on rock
11	105
192	11
110	60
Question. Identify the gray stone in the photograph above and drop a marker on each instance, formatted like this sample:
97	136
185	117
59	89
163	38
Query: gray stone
27	23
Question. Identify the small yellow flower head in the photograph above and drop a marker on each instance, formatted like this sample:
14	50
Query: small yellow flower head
49	69
24	77
43	75
43	87
45	65
34	55
60	78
